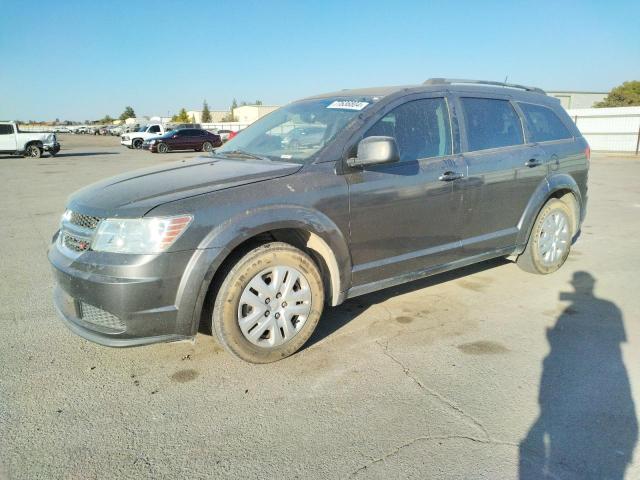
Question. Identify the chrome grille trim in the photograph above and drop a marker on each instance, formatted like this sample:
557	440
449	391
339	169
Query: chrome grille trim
84	221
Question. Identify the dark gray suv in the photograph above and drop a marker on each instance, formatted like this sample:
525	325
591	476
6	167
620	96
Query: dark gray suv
403	182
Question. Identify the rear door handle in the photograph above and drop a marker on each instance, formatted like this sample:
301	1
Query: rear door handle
534	162
449	176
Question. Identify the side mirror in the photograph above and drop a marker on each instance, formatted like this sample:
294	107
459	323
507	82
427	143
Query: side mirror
375	150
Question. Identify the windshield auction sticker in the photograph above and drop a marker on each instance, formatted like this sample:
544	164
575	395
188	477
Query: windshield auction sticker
348	105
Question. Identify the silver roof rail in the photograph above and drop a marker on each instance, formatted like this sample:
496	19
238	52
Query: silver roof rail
449	81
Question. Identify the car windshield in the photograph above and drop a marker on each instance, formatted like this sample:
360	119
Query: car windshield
142	128
297	131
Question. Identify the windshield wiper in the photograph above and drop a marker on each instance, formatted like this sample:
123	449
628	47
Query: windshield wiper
243	153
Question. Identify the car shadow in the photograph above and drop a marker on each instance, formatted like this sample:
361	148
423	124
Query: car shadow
335	318
587	427
84	154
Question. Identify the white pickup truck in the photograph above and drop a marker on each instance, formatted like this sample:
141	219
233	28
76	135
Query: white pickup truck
29	144
145	132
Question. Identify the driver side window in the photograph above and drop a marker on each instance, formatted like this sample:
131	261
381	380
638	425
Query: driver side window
421	129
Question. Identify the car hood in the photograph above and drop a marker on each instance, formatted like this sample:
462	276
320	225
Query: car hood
133	194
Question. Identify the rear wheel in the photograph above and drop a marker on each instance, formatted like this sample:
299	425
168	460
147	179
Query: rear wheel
207	146
33	151
269	303
550	240
163	148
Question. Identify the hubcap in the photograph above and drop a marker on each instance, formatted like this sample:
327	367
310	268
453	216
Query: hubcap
207	147
274	306
554	238
33	151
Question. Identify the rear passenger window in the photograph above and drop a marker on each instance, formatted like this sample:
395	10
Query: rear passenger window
544	124
6	129
421	129
491	123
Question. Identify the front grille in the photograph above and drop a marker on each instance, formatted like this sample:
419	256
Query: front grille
99	317
74	243
84	221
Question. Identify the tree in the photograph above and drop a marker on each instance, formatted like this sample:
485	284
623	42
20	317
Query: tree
258	102
106	119
229	116
625	95
128	113
206	114
181	117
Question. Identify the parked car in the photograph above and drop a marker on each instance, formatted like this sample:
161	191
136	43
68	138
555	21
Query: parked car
136	138
13	141
255	239
232	134
224	134
184	139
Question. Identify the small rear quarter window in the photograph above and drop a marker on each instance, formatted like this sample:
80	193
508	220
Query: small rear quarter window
544	125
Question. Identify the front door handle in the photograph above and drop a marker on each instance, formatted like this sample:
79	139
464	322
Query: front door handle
448	176
534	162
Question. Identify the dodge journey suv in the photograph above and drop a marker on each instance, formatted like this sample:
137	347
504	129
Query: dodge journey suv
253	240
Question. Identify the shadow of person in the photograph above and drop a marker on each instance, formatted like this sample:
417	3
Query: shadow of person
587	427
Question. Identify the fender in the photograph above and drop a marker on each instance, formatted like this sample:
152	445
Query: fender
325	238
546	189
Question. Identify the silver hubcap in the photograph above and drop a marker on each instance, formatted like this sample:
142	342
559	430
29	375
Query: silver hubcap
207	147
162	148
33	151
274	306
554	238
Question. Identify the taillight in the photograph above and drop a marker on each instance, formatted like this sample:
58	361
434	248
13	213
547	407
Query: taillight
587	152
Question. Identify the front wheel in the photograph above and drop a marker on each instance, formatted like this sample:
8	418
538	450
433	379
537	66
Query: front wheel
163	148
269	303
33	151
550	240
137	143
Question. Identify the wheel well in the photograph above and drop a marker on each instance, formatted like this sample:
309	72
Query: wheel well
310	243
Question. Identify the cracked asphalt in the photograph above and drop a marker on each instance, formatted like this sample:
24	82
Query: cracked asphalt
484	373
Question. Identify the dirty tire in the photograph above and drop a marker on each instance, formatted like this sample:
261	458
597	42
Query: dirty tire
531	260
33	151
137	143
162	148
225	318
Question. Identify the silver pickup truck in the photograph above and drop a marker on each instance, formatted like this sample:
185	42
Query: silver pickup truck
29	144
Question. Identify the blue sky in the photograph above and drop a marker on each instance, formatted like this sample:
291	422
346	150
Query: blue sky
83	59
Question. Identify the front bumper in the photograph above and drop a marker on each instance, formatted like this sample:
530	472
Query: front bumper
52	147
149	146
126	143
152	298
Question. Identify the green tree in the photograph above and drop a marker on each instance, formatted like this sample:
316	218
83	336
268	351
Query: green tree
258	102
106	119
229	116
181	117
625	95
206	114
128	113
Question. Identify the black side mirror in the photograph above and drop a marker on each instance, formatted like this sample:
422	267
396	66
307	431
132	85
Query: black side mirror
375	150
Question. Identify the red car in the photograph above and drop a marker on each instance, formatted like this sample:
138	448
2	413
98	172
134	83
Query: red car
183	139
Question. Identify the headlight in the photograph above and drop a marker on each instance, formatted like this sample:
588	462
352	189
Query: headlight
152	142
125	138
140	235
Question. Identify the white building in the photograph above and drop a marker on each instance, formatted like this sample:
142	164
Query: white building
569	99
216	115
251	113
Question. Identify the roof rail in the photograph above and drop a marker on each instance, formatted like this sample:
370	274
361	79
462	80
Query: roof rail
449	81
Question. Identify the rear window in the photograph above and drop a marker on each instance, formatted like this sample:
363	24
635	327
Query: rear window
544	124
491	123
6	129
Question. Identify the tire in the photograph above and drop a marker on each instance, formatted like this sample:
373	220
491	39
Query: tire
137	143
207	146
550	240
33	151
162	148
248	317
